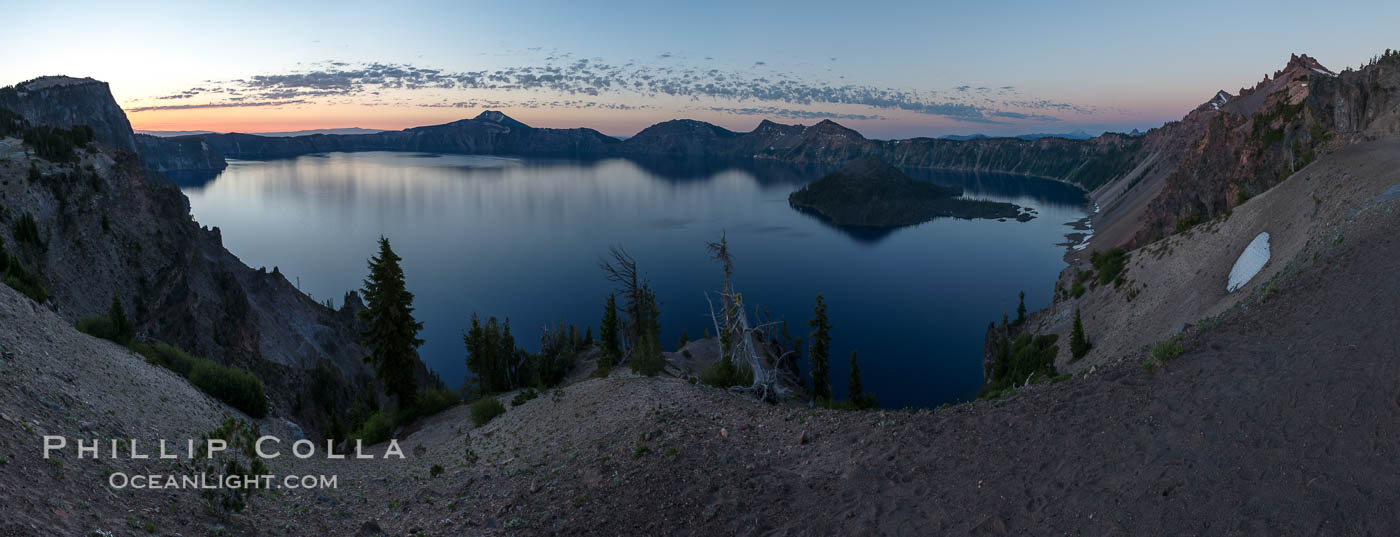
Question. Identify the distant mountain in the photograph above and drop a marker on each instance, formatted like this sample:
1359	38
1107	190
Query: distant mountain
1076	135
171	134
490	132
282	134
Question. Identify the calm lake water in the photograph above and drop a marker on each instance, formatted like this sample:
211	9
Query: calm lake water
521	238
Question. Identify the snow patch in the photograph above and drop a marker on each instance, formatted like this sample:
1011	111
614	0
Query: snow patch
1251	261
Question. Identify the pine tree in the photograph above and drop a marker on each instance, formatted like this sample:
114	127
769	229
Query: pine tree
647	358
1078	343
122	331
1021	309
392	333
821	347
684	339
857	390
588	336
609	334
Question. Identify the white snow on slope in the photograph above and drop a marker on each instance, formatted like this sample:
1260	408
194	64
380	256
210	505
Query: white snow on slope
1251	261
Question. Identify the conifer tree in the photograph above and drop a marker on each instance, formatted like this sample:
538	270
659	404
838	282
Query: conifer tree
610	334
1021	309
122	331
821	347
647	358
684	339
1078	343
391	333
857	390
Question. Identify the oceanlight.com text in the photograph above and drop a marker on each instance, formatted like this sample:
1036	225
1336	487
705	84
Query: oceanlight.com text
120	480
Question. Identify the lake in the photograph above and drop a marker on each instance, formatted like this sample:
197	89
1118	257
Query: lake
521	238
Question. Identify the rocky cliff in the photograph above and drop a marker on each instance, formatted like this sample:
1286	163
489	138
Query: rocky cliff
61	101
107	225
179	154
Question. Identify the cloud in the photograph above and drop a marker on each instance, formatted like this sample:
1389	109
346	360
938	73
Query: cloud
589	83
240	104
774	111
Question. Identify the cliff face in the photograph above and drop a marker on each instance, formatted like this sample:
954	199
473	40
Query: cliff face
179	154
1233	148
60	101
109	226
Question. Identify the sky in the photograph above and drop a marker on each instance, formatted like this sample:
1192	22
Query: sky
887	69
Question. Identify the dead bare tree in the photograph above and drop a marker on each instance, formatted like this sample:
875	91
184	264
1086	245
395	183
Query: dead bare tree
737	335
622	270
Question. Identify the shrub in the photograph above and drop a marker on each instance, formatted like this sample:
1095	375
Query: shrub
1167	349
27	232
112	327
435	471
56	145
486	409
239	389
376	429
434	399
524	396
98	326
165	356
723	374
1078	342
1110	265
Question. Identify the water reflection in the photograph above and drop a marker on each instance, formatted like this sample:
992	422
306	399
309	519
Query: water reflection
521	237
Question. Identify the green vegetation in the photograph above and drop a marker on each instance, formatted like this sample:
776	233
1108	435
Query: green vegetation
19	278
435	471
499	366
1078	343
1021	309
1027	358
610	334
647	358
820	352
1158	353
859	399
113	327
486	409
392	333
725	373
377	428
27	232
524	396
238	388
11	123
1187	223
55	144
680	344
1110	265
435	399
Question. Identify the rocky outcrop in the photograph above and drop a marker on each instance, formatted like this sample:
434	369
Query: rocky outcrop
179	154
110	226
61	101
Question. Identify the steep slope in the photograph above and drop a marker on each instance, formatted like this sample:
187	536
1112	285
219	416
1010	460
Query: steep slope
179	154
61	101
107	226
